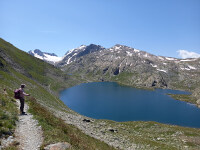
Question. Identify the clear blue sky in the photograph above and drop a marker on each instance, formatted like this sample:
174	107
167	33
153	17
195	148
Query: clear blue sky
160	27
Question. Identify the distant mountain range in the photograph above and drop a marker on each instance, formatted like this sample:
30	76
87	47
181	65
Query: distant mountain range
128	66
48	57
69	57
74	54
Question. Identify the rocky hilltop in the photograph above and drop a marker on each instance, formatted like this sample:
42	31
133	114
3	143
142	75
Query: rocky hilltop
76	53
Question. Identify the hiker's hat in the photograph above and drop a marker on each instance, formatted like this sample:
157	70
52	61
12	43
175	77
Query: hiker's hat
23	85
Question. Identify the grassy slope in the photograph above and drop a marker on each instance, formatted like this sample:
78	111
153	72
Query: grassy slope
8	114
41	79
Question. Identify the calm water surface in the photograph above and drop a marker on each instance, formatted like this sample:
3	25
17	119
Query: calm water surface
108	100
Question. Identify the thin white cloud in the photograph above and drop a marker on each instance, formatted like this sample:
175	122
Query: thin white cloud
187	54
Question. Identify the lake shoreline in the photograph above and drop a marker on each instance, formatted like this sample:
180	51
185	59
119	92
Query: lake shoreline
132	134
158	108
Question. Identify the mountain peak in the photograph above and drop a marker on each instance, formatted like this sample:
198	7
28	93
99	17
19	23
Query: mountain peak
36	51
94	47
74	54
49	57
118	45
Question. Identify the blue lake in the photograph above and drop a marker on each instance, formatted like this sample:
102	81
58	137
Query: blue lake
108	100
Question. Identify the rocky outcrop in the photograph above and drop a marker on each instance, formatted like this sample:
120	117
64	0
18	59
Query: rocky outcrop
156	81
196	94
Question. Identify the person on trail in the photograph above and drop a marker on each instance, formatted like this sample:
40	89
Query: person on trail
5	92
21	98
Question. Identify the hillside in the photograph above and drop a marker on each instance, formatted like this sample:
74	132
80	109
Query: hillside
43	82
59	123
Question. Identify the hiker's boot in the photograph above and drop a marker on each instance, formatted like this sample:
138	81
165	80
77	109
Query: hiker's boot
23	113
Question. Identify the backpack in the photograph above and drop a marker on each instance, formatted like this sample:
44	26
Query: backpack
17	94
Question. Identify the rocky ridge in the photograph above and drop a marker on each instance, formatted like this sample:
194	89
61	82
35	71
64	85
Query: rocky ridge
76	53
138	68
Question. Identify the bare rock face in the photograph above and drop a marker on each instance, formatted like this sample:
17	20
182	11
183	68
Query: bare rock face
156	81
58	146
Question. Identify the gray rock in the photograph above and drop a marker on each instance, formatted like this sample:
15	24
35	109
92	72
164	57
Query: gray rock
198	102
112	130
58	146
86	120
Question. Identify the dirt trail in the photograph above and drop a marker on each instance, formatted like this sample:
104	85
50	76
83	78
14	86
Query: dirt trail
28	133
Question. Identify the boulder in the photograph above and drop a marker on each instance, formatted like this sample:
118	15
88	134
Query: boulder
58	146
112	130
86	120
198	102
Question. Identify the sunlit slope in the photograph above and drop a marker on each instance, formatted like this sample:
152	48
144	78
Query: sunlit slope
41	78
43	83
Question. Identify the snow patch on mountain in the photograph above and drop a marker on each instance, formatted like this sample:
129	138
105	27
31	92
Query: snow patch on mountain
154	65
52	58
38	56
82	47
49	57
129	53
169	58
191	67
185	68
68	61
136	50
162	70
161	58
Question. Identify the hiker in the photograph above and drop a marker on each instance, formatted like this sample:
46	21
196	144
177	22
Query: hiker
5	92
21	98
